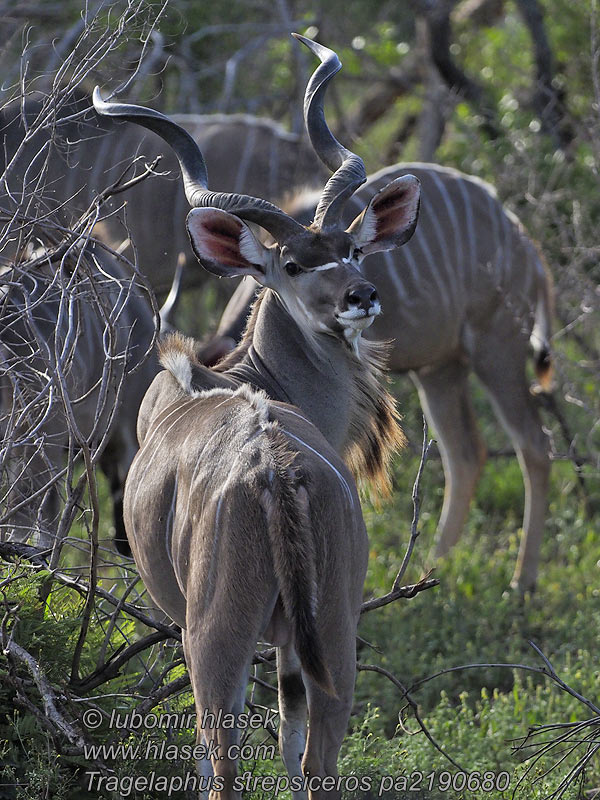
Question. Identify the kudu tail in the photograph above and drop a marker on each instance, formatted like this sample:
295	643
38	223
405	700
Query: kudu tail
294	558
544	369
542	330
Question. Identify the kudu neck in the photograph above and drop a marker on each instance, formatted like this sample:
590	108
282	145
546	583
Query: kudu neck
315	376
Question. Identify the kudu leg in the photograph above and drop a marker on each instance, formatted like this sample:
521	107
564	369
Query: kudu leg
505	380
328	716
36	519
446	401
219	689
292	713
203	765
115	462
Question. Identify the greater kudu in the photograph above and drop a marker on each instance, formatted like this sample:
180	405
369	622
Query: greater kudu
468	293
243	520
71	333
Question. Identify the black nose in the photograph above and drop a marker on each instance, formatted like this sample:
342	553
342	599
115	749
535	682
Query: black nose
362	295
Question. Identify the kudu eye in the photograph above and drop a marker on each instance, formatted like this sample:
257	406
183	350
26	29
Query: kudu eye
293	269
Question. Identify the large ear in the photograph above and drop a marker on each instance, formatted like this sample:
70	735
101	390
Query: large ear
225	245
390	218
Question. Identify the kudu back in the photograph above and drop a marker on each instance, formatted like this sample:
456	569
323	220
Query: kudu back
242	515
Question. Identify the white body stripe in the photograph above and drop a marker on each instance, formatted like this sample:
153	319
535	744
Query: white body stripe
392	269
340	477
433	271
451	214
169	525
496	264
470	265
156	449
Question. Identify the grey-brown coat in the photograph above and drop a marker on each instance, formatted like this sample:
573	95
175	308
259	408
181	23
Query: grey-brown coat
245	526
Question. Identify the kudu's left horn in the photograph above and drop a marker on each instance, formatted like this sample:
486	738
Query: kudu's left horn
193	169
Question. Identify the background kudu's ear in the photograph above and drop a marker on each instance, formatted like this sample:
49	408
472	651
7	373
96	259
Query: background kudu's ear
225	245
390	218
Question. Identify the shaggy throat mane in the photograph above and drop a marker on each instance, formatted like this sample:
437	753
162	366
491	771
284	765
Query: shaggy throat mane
375	433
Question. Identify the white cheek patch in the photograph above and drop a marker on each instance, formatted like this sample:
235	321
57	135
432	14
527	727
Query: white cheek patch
316	324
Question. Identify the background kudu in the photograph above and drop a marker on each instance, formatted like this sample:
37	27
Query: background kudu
70	335
203	489
60	168
468	293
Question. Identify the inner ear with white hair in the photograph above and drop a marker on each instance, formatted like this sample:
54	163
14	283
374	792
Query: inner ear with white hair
224	245
390	218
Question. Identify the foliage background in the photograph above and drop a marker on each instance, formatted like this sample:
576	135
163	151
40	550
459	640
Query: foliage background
236	56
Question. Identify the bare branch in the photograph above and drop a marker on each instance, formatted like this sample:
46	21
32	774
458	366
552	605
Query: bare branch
439	26
425	582
10	550
412	704
47	692
548	101
414	528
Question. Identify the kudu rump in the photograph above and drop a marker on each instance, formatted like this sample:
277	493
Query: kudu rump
243	518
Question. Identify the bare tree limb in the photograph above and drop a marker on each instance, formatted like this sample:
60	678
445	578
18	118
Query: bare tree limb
47	692
548	101
412	704
437	15
11	550
425	582
382	95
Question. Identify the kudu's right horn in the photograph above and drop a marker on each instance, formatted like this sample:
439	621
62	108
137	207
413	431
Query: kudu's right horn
348	169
